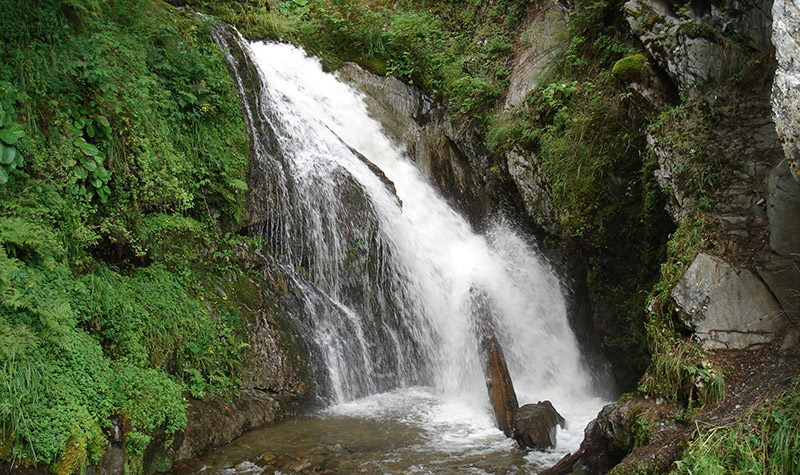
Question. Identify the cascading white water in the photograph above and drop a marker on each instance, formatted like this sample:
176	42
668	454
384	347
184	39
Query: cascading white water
387	277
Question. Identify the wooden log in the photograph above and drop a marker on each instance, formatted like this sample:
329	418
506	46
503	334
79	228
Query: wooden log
498	380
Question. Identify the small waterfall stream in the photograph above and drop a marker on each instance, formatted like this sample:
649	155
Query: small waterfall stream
387	266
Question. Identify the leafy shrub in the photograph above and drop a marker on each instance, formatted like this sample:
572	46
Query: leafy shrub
135	159
12	134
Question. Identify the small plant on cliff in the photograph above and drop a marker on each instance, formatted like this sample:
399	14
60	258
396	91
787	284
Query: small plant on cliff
679	370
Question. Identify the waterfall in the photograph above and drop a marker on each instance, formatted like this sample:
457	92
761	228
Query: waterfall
385	264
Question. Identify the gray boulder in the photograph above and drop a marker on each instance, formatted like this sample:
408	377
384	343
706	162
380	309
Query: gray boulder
535	425
726	307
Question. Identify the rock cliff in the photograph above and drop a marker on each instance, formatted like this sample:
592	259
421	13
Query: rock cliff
722	158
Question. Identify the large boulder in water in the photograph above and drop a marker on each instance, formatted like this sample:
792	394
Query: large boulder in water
535	425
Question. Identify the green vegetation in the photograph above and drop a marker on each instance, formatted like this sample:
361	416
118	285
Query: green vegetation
766	441
643	425
11	133
120	138
680	370
456	51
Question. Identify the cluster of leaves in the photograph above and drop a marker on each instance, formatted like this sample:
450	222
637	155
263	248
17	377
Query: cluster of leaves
455	51
11	133
87	162
766	441
135	155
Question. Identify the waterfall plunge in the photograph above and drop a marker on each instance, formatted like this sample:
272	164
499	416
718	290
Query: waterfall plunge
399	317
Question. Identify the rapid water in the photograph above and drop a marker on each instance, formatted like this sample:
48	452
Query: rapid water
387	269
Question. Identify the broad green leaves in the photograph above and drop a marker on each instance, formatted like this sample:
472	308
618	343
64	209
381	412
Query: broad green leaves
91	176
10	133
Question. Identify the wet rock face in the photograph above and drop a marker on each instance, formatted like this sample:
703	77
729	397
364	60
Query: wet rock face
535	425
786	88
275	361
216	421
607	440
726	307
448	152
691	45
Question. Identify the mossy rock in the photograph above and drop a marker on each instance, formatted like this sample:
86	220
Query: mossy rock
693	29
631	68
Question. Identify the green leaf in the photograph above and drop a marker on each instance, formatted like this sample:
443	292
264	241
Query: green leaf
3	176
19	160
103	121
90	131
12	133
80	173
90	165
103	193
96	182
5	117
7	154
85	147
102	173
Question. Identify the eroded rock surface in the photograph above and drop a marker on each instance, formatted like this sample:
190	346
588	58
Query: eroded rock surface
692	44
784	212
541	37
447	151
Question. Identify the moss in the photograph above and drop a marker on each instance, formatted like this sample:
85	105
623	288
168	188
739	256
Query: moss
694	29
631	68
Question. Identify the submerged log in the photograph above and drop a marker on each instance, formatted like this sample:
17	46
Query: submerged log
498	380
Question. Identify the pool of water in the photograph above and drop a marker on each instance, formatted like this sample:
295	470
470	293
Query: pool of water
405	431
